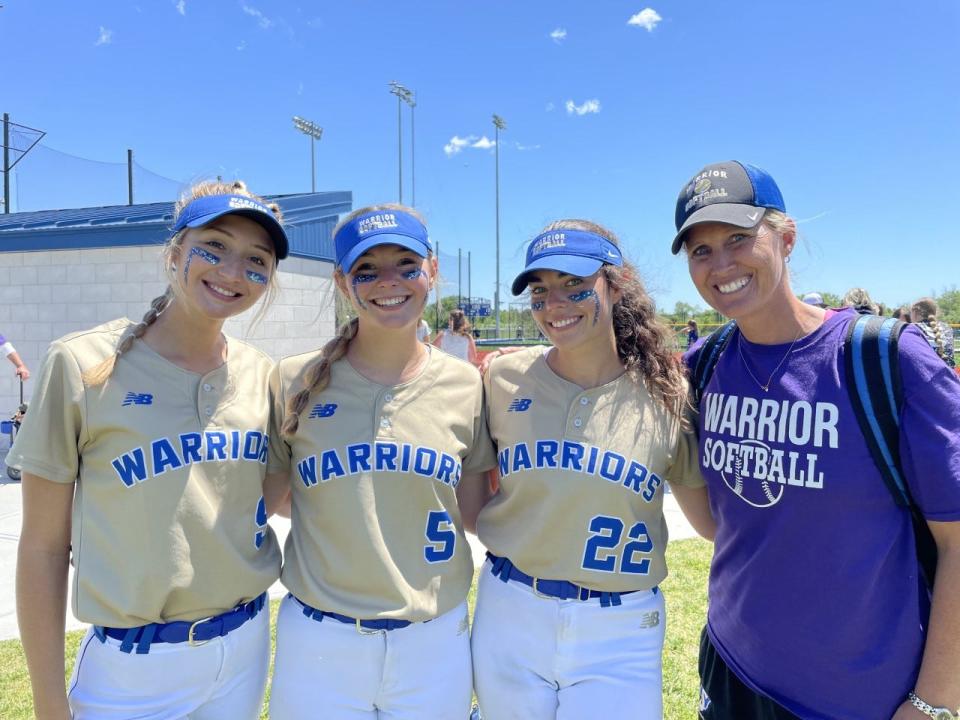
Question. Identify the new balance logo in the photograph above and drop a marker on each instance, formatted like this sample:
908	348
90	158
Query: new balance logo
321	411
520	405
650	619
133	398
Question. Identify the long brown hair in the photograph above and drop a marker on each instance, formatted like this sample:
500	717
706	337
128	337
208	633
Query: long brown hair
925	311
98	374
644	344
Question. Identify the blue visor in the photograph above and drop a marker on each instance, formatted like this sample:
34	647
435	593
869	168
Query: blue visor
575	252
205	210
379	227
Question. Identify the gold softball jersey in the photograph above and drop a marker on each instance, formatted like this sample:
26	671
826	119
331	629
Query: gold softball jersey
581	476
376	531
168	517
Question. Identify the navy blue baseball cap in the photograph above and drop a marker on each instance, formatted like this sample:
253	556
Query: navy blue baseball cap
205	210
575	252
728	192
379	227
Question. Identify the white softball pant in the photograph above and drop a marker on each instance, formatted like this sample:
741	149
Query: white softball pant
221	680
328	669
539	658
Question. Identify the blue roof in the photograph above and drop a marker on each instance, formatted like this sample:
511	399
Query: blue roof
309	219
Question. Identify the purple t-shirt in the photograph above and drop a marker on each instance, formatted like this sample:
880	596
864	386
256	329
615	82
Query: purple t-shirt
816	598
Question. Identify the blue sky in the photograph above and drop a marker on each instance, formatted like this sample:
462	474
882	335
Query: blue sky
852	106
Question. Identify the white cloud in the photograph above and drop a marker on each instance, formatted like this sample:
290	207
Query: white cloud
457	144
300	89
262	20
182	7
105	37
559	35
550	107
646	18
242	46
589	106
526	147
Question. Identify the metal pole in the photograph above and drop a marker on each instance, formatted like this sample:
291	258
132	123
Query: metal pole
313	166
469	289
496	292
459	277
6	163
399	149
413	164
129	176
436	322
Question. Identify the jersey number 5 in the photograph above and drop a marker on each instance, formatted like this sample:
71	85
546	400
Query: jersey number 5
441	535
605	535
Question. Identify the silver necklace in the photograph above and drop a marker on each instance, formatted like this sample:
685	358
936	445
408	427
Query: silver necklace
766	388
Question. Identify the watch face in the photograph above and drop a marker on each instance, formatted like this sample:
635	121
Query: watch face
942	714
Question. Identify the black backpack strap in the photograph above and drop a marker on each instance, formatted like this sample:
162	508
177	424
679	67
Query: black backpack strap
872	365
707	357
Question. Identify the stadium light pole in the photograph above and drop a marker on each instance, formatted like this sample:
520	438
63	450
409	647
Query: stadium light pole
412	102
315	132
403	95
499	125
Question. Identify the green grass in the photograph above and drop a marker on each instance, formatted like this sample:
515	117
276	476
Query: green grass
685	591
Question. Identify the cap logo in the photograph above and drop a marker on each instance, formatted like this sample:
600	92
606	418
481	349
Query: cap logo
703	184
705	197
237	203
554	240
382	221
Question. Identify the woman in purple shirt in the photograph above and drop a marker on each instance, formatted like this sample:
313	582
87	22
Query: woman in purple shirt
817	607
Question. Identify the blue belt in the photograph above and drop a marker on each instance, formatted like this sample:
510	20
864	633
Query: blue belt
364	627
562	589
198	632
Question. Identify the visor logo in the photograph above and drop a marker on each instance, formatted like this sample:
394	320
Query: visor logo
245	203
546	242
703	184
382	221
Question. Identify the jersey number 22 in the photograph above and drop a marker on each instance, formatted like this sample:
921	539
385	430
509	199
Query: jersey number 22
605	534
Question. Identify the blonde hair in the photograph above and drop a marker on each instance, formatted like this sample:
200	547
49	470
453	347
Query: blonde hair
100	373
925	311
860	299
316	375
644	344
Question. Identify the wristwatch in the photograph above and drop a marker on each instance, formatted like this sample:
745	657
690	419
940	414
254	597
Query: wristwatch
927	709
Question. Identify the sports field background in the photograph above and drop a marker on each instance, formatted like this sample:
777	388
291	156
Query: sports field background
685	592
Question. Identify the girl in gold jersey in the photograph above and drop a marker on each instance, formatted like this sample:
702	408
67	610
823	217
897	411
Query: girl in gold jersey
569	620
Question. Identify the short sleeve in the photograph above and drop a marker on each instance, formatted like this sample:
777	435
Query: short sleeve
930	429
278	460
685	470
48	441
482	455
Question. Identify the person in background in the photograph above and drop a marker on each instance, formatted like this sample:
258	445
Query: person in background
693	333
925	313
902	313
457	340
7	348
860	300
423	331
815	299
